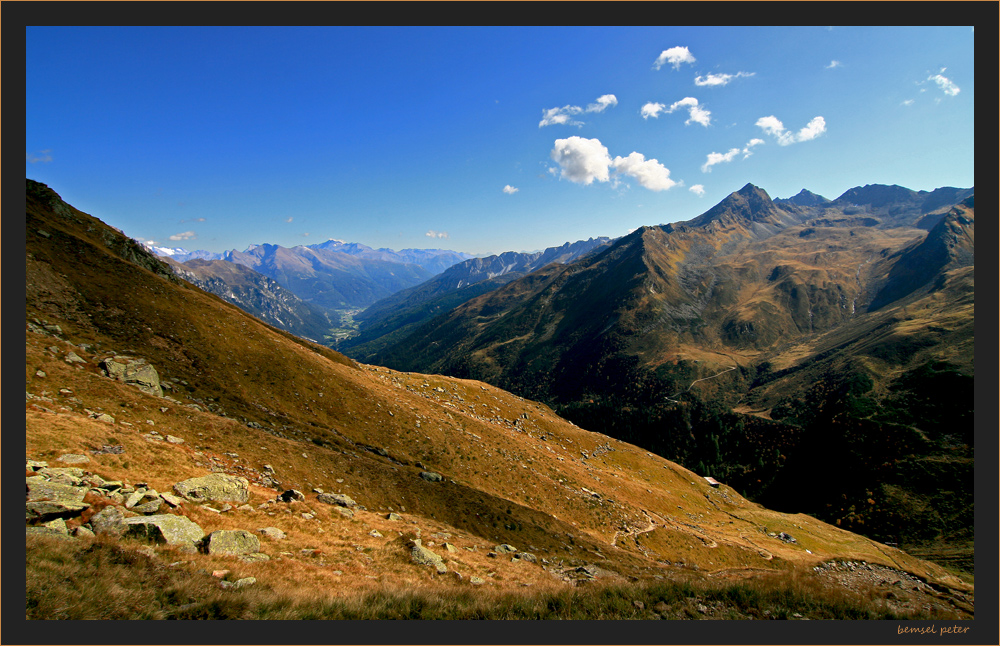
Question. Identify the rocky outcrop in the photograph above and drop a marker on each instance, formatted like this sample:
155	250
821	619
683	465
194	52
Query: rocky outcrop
164	528
423	556
340	499
135	372
215	487
230	541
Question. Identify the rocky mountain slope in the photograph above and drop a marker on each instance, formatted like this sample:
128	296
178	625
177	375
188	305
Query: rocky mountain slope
258	295
347	469
392	318
657	339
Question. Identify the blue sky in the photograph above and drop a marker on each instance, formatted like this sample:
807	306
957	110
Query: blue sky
480	139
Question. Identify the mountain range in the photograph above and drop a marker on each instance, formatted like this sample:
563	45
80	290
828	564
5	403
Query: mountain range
713	342
333	275
394	489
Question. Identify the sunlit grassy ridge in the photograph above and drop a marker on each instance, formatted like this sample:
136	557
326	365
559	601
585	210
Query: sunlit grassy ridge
244	396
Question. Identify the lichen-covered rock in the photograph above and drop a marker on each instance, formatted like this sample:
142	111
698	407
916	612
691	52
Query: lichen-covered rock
110	521
164	528
430	476
230	541
215	486
340	499
423	556
135	372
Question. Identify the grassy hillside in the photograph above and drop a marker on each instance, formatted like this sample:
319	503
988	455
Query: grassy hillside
249	400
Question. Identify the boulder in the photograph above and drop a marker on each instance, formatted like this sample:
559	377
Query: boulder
45	510
215	486
39	489
430	476
272	533
110	520
423	556
290	495
230	541
164	528
340	499
135	372
504	548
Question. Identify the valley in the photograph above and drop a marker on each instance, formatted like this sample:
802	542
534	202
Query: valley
546	441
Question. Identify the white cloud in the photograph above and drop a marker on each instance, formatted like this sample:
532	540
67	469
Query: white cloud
603	102
713	80
187	235
564	116
560	116
834	64
289	219
675	56
582	160
946	85
651	174
750	144
510	190
652	110
40	156
772	126
436	234
908	102
721	158
698	190
696	112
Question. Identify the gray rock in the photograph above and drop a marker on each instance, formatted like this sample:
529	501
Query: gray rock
430	476
290	495
215	486
73	458
258	557
58	524
273	533
171	499
134	498
148	506
344	511
337	499
110	520
164	528
504	548
83	532
72	357
39	489
230	541
394	516
45	531
46	510
135	372
423	556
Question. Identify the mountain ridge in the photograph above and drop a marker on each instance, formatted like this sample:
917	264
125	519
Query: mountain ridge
426	461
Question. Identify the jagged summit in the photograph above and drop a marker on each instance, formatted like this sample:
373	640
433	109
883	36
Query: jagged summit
804	198
750	207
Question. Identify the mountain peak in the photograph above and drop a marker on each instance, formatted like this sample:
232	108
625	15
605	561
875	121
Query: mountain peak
749	204
803	198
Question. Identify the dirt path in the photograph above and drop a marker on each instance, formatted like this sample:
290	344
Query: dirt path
671	398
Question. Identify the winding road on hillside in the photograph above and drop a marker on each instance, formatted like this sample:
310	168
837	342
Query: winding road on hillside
671	398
